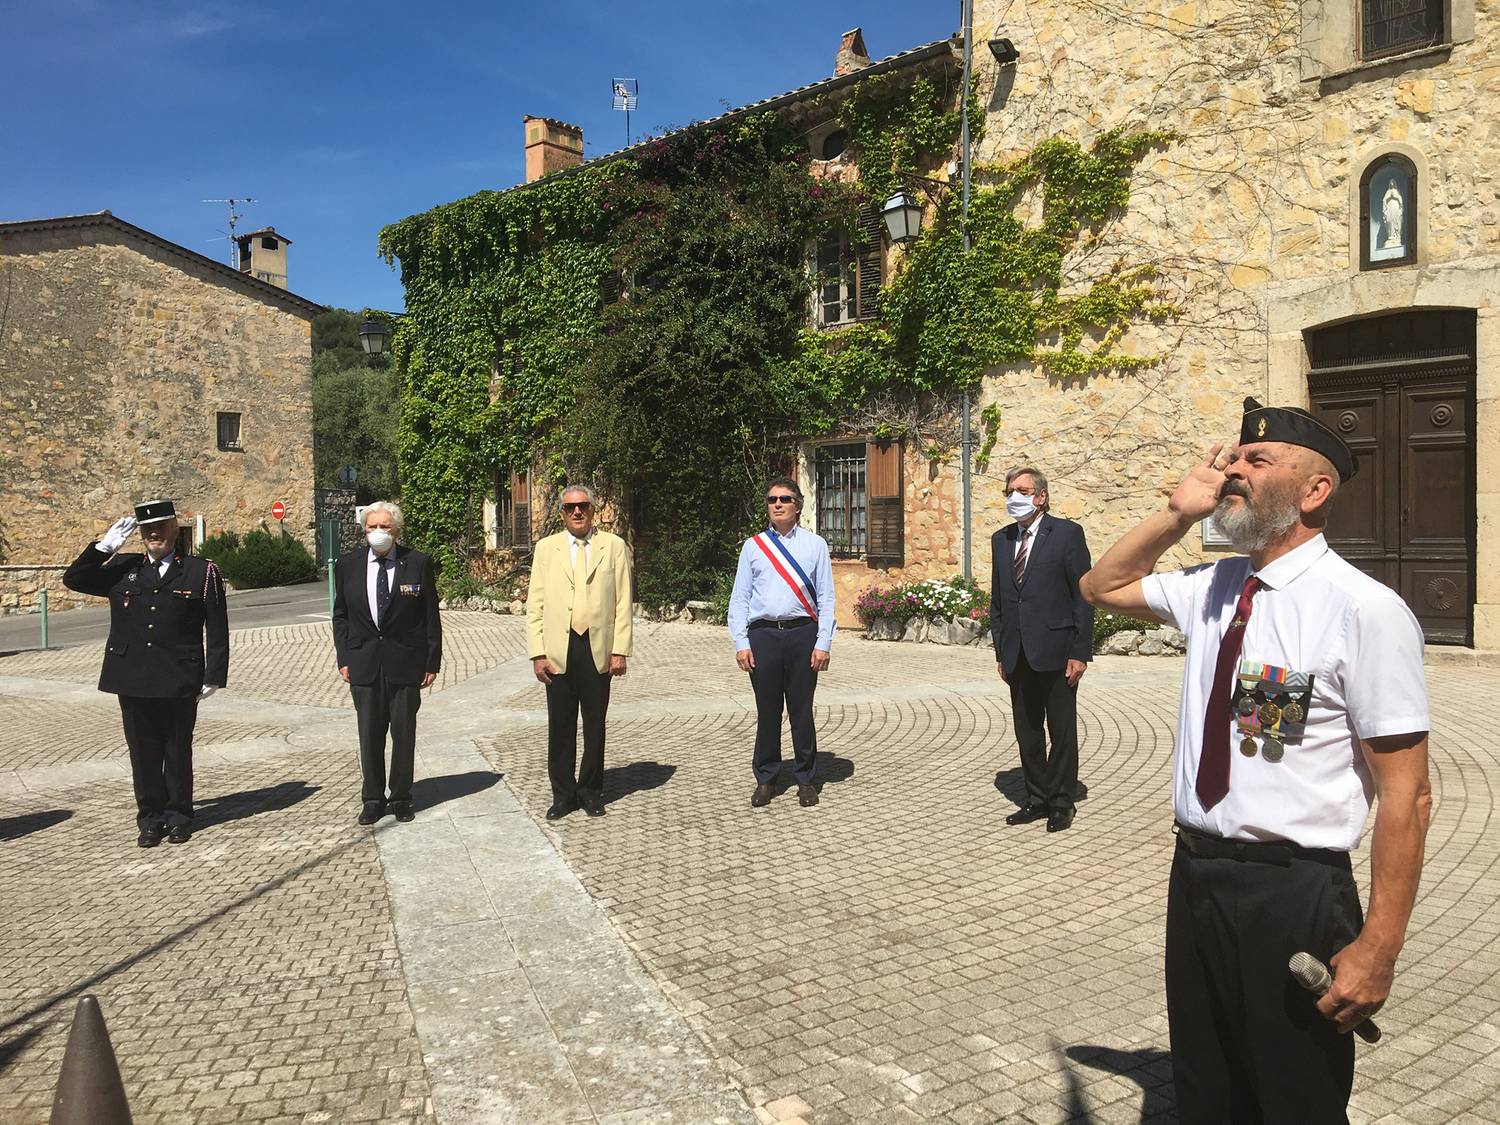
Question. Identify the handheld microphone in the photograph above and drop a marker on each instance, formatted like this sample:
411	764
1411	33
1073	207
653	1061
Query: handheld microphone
1312	975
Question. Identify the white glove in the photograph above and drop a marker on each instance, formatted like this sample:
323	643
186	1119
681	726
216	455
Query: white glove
115	537
206	690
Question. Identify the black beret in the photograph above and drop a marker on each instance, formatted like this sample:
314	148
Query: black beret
152	510
1295	426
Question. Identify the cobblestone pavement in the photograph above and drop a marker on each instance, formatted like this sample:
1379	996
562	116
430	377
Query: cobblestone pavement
897	954
249	975
894	955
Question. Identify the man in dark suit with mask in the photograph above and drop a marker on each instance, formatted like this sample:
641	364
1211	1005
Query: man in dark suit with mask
163	607
389	642
1044	635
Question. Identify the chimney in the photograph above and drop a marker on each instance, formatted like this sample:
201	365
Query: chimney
853	55
551	146
263	255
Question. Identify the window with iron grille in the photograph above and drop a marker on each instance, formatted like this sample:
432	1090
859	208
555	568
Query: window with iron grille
839	474
229	432
849	272
1389	27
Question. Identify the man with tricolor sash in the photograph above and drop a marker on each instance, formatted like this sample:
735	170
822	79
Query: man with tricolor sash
781	621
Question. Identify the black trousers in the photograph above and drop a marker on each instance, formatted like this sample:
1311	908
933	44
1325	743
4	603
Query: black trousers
159	733
1037	698
581	688
384	707
1248	1045
783	677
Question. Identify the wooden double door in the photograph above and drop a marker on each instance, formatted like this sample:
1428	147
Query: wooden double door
1400	391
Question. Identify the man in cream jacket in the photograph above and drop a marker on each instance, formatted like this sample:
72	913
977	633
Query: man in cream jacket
578	617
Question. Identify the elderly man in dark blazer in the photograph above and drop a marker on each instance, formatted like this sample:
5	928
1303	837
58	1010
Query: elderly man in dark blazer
389	643
1044	633
168	648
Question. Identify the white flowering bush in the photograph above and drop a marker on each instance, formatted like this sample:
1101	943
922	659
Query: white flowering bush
935	598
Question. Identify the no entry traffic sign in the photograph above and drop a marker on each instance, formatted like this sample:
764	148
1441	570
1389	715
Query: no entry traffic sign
278	511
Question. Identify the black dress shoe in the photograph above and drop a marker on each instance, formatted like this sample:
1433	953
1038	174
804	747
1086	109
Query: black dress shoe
402	811
557	812
1059	820
180	834
593	806
371	813
1027	815
149	837
807	796
762	796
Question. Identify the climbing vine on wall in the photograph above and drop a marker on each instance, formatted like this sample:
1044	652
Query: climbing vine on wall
644	322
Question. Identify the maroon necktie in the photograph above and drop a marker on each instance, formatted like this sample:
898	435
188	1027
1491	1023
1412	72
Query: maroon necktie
1019	566
1213	762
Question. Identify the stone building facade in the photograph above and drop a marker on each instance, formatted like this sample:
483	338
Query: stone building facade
1297	279
132	368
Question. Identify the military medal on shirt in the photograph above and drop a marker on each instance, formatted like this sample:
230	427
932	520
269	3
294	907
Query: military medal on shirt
1269	703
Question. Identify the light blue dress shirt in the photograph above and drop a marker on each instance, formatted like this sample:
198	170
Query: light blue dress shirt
759	592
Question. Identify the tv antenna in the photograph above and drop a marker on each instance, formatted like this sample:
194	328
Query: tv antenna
234	218
627	96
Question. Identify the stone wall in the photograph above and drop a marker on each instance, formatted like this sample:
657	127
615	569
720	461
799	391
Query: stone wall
20	587
115	357
1251	216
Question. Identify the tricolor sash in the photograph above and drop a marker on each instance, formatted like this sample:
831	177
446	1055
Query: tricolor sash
771	546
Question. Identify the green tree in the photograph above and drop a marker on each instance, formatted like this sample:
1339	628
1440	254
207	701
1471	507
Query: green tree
356	401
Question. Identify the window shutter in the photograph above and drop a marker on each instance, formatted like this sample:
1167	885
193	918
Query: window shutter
520	507
886	543
869	263
612	287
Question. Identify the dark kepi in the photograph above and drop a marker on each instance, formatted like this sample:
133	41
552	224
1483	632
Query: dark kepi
153	510
1295	426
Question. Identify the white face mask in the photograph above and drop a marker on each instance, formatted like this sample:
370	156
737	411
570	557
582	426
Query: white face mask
379	540
1018	505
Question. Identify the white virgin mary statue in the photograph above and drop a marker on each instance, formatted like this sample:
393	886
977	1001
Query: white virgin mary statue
1391	206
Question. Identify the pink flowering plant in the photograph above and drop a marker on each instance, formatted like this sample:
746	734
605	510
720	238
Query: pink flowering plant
934	598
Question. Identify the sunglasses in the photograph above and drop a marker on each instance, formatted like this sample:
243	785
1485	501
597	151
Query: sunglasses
577	506
781	499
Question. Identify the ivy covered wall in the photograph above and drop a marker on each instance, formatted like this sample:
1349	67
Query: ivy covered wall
677	398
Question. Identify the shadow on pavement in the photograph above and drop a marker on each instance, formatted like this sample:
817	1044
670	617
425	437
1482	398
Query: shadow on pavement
14	827
13	1047
622	781
427	792
830	770
145	953
250	802
1012	785
1150	1068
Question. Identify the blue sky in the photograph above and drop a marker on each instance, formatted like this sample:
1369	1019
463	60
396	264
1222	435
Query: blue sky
341	117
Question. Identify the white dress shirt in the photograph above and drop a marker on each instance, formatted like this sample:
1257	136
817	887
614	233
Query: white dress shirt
372	573
1315	614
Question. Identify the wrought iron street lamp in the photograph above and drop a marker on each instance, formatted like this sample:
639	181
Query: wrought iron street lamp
374	334
903	217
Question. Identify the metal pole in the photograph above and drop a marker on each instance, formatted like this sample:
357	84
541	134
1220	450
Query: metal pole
968	483
42	598
330	589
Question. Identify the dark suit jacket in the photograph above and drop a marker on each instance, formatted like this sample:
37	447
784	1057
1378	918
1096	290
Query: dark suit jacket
1046	614
408	640
157	623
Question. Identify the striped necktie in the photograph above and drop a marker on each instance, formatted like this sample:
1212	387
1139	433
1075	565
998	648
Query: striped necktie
1019	566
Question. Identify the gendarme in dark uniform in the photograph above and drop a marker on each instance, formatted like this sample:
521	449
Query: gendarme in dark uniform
168	638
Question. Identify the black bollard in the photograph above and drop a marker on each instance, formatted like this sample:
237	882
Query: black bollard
89	1090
